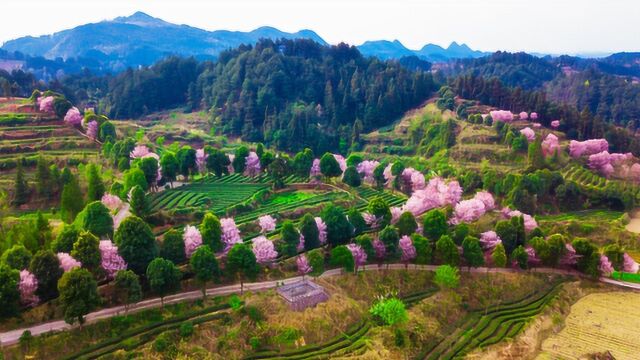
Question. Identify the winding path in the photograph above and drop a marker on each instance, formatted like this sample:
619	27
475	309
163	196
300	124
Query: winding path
13	336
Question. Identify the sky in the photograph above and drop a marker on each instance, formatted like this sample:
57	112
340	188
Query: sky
542	26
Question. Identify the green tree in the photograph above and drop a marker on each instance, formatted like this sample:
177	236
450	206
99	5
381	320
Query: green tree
139	202
341	256
434	224
378	175
240	158
43	178
406	224
447	277
43	230
136	243
21	187
366	242
205	266
187	160
379	208
107	132
72	201
508	235
447	251
46	268
149	167
520	256
97	219
278	169
357	221
309	229
241	262
9	294
87	250
535	156
424	249
95	186
329	166
65	239
78	294
499	256
615	254
17	257
351	177
588	259
390	311
339	229
390	238
211	232
134	177
316	260
170	166
302	162
290	238
472	251
459	233
173	247
127	288
164	277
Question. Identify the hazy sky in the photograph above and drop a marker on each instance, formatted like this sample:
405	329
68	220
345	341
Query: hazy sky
550	26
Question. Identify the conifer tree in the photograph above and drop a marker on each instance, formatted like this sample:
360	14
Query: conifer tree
21	192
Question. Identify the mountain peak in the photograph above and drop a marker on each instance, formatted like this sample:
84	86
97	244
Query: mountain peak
141	19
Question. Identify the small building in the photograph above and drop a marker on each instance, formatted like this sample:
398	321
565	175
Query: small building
303	294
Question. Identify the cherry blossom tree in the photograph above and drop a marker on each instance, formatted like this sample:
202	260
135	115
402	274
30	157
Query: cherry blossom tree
139	151
570	257
111	202
605	267
536	125
502	115
322	230
303	265
437	193
629	265
192	240
264	250
533	116
300	246
314	173
529	222
27	286
201	160
605	163
587	147
523	115
388	175
67	262
371	220
252	165
555	124
395	214
267	223
230	168
46	104
341	161
550	145
407	250
111	261
73	117
230	233
532	257
487	199
489	240
379	249
92	130
467	211
529	134
359	255
413	177
366	168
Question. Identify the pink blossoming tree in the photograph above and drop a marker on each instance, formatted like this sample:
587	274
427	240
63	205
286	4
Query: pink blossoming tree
230	233
407	250
606	268
489	240
587	147
267	223
629	265
139	151
73	117
46	104
27	286
555	124
380	250
111	261
264	250
322	230
192	240
303	265
67	262
252	165
550	145
366	168
359	255
92	130
523	115
201	160
529	134
502	115
111	202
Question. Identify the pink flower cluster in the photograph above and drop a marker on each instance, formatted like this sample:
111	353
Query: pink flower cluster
322	230
192	240
533	116
379	249
550	145
267	223
111	202
264	250
314	172
230	166
414	178
523	115
532	259
27	286
437	193
471	210
529	134
300	246
303	265
529	222
73	117
489	240
407	250
629	265
388	176
570	257
555	124
370	219
395	213
605	163
201	160
501	115
230	233
139	151
46	104
111	261
359	255
341	161
67	262
92	130
587	147
366	168
605	267
252	165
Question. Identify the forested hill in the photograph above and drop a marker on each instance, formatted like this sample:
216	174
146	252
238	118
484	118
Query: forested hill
292	93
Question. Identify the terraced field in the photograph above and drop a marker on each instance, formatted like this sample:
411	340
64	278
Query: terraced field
368	193
591	181
214	196
485	328
598	322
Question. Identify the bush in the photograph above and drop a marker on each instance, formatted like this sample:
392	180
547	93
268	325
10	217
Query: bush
254	314
186	329
389	311
162	342
399	338
255	342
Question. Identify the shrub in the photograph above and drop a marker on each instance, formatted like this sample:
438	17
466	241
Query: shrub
186	329
389	311
254	314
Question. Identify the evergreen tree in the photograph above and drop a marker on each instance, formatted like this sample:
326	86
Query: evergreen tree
17	257
434	224
290	238
43	178
520	256
95	187
339	229
535	156
447	251
127	288
351	177
65	239
378	175
499	256
187	160
406	224
424	249
164	277
9	294
211	232
21	190
309	229
170	166
87	250
472	251
173	247
390	238
43	230
136	243
72	201
302	162
149	167
341	256
78	294
97	219
241	262
357	221
46	268
205	266
139	202
379	208
239	161
329	166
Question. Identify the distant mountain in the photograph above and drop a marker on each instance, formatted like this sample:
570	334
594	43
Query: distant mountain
384	49
141	39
